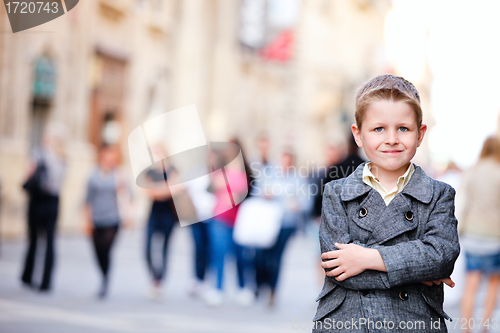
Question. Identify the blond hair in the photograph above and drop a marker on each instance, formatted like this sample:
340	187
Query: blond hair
387	87
491	149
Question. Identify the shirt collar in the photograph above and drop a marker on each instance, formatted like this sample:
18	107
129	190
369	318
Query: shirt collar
419	186
369	178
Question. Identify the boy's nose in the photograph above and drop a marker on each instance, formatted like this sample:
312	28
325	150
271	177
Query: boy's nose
392	138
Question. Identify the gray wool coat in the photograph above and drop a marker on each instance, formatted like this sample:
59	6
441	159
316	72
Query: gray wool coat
416	235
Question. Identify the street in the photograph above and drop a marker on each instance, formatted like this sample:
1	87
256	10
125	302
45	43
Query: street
73	306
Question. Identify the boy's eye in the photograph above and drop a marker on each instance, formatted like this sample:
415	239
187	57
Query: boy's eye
379	129
403	129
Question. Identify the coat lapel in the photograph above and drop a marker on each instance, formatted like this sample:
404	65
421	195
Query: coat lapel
375	207
392	222
419	186
353	185
386	222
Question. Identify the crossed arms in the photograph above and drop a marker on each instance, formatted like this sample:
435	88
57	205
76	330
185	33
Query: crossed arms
357	266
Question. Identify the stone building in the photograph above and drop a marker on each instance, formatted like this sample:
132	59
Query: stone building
287	67
96	70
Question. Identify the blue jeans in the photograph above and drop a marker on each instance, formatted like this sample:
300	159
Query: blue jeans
160	223
201	248
222	243
268	261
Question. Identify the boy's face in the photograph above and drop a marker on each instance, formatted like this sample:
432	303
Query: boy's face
389	136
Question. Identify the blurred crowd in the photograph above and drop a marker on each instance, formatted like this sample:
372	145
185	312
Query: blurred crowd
273	200
277	200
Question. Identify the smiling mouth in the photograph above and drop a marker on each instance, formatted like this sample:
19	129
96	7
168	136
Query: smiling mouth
392	151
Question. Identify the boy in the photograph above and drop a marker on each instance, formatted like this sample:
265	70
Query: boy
388	232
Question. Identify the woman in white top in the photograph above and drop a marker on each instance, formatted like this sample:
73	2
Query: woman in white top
479	229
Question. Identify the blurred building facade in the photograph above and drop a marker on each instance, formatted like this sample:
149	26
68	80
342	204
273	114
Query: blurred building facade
286	67
96	70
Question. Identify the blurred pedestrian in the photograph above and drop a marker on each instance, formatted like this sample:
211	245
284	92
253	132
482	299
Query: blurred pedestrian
452	175
480	229
340	167
108	193
221	226
262	159
204	203
260	164
246	168
43	184
161	221
338	171
334	154
285	186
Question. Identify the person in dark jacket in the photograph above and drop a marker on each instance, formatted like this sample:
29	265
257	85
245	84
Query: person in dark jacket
337	171
161	223
43	205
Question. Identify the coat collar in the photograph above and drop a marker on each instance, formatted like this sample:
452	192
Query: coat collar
419	186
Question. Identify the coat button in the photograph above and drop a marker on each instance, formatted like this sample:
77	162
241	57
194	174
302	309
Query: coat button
403	295
362	212
409	215
364	292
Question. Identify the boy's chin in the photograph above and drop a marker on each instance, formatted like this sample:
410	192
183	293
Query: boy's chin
391	166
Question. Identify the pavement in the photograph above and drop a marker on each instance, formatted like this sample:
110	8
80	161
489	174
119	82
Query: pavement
73	307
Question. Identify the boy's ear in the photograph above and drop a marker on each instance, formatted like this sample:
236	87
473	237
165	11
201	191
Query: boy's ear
357	135
421	133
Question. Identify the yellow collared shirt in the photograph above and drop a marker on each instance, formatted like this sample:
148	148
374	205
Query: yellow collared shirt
370	180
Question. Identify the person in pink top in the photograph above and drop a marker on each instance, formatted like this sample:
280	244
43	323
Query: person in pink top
220	228
238	181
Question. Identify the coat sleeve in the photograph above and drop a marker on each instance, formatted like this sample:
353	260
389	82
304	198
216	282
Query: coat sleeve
433	256
334	229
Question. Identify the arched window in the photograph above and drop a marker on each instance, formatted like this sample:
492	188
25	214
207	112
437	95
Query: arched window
43	90
44	83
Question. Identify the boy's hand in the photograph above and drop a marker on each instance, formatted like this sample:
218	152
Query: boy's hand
351	260
448	281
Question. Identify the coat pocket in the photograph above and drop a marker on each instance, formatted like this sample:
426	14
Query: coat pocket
437	306
329	299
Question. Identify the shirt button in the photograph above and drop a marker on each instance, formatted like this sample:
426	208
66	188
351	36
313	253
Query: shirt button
409	215
403	295
362	212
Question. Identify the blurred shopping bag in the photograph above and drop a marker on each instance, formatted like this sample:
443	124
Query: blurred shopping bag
258	223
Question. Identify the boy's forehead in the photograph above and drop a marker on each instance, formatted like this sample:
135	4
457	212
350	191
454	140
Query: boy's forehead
389	111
